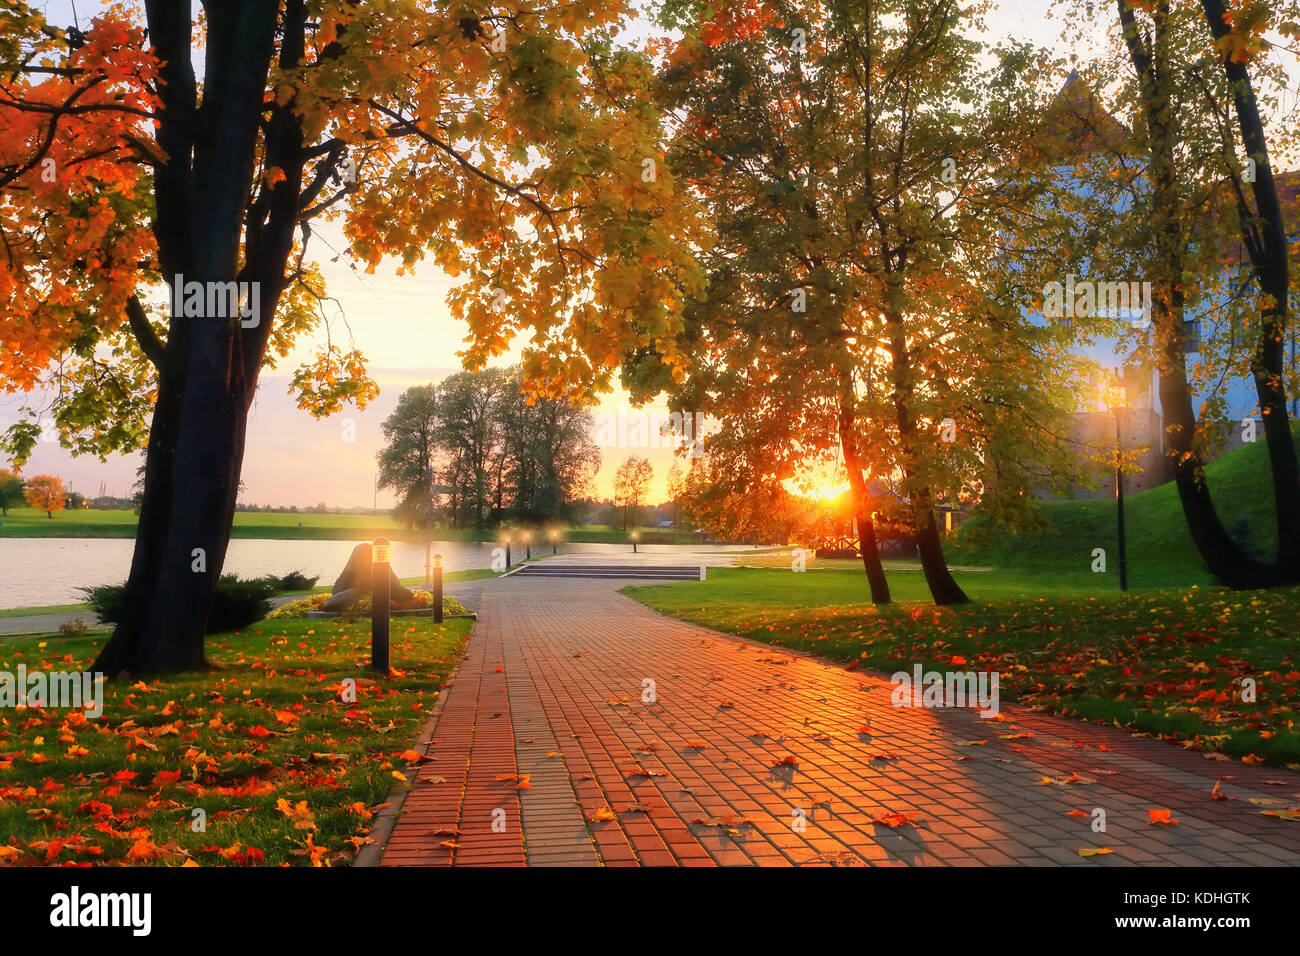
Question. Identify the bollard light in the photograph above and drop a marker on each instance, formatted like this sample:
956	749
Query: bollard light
634	537
555	538
437	589
528	545
380	570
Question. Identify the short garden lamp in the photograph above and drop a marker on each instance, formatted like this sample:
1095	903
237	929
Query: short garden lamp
635	534
528	545
555	541
437	589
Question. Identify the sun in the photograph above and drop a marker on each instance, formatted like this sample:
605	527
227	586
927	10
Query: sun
820	491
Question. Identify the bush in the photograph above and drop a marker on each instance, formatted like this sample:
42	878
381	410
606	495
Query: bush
293	581
363	606
238	603
73	628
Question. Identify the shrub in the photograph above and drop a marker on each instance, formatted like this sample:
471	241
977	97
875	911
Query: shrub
238	602
74	627
293	581
363	606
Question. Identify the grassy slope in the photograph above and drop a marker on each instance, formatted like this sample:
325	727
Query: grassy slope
267	724
1160	550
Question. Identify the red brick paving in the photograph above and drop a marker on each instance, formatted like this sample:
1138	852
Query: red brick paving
552	688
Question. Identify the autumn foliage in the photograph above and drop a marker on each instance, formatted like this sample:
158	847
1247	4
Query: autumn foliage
46	492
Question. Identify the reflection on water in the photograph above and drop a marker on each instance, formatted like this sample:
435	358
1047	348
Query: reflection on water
41	571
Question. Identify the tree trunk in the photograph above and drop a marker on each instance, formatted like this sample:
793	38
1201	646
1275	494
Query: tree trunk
1226	560
151	530
944	589
207	371
1266	243
867	545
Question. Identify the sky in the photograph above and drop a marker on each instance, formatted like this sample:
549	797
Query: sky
404	328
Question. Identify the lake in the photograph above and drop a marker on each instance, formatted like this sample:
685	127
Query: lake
43	571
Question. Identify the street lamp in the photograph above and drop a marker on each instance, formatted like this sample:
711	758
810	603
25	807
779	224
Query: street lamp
505	539
428	528
555	539
1117	400
635	534
528	545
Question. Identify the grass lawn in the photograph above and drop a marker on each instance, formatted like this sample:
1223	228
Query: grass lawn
449	577
1160	662
1160	549
93	523
47	609
284	768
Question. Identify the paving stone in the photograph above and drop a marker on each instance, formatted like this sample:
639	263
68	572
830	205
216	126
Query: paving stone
606	706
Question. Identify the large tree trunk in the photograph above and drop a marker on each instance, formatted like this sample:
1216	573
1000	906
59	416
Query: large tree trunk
150	535
208	369
1226	560
1266	243
944	589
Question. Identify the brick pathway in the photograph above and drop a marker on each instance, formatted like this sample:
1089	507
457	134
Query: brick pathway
551	694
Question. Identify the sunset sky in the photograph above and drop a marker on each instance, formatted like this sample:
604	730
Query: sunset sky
403	327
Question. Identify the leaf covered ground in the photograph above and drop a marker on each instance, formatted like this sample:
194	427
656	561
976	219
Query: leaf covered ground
1166	663
284	768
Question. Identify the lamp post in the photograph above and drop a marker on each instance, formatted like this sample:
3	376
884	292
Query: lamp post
428	527
507	544
1117	407
380	564
555	541
528	546
634	536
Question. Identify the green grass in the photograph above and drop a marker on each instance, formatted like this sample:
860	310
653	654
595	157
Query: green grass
265	724
473	574
1160	662
1160	549
91	523
47	609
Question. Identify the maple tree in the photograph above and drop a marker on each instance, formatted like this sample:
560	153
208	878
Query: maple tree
507	143
1179	189
737	505
47	493
859	301
1237	36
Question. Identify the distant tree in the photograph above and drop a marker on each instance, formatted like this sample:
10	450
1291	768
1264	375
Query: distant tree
11	491
47	493
75	500
469	436
631	482
406	463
